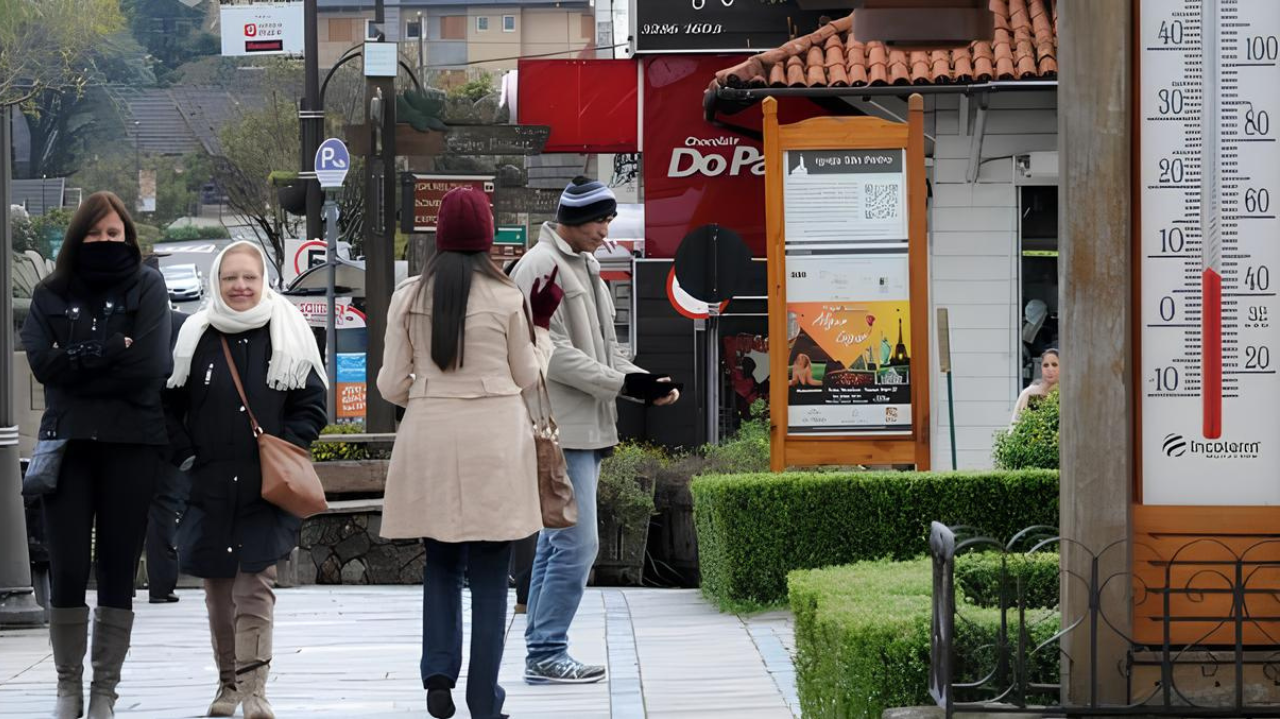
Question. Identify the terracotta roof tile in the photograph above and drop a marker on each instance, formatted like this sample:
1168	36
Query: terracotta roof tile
795	72
1023	46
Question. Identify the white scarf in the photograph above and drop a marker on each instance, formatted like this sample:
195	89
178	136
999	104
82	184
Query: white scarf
293	347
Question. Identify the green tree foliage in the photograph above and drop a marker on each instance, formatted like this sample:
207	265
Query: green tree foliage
178	181
1032	442
172	33
474	90
49	44
264	143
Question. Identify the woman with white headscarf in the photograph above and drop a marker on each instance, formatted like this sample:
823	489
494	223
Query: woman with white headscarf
230	536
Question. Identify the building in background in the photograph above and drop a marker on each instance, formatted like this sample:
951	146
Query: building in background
459	38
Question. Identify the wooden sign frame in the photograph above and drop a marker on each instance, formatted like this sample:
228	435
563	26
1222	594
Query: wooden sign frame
848	133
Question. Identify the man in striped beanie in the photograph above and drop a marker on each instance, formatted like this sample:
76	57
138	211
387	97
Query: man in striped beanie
585	377
586	202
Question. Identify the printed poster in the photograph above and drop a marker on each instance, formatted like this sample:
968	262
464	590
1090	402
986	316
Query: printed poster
845	196
849	343
351	385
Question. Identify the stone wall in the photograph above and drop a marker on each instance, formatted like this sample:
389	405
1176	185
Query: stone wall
343	546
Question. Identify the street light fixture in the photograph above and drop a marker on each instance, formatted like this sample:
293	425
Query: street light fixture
422	30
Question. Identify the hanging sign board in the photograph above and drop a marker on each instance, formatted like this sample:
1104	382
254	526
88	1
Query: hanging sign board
687	26
262	29
848	290
429	190
1207	189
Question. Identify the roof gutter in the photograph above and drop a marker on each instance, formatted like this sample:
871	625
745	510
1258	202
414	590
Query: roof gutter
741	94
726	97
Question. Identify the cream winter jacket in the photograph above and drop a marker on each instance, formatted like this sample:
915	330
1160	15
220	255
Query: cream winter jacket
587	368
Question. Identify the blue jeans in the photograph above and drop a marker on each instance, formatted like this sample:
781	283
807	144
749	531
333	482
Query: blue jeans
563	563
485	565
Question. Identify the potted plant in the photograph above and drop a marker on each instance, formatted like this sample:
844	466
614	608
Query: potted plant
625	502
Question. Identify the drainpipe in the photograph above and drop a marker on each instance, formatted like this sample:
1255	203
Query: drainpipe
979	133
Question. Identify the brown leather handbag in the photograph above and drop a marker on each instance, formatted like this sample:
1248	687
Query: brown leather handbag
555	490
288	479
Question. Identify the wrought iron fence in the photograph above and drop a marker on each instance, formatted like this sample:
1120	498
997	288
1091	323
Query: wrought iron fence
1223	594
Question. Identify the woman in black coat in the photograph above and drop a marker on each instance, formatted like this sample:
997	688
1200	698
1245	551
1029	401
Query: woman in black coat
229	535
97	338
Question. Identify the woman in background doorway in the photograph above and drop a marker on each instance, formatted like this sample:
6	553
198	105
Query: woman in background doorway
1041	388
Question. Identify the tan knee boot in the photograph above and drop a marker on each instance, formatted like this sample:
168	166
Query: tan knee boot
112	629
223	635
253	659
69	635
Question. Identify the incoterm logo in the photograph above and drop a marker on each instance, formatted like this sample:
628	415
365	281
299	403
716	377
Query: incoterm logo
1176	445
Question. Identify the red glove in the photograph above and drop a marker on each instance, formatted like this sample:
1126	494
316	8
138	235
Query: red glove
544	300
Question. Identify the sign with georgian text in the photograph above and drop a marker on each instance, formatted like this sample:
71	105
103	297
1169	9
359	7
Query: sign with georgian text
719	25
429	190
262	29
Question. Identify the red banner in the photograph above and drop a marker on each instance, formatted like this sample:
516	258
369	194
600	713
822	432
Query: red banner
694	172
590	105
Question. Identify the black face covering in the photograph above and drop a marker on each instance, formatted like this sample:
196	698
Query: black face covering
102	264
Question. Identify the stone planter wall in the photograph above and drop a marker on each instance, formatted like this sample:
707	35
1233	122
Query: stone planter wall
343	546
353	476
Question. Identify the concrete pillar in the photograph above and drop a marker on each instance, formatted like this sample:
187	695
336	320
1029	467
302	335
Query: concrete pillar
1097	453
18	605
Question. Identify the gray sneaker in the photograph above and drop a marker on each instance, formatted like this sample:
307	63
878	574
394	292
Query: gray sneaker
562	670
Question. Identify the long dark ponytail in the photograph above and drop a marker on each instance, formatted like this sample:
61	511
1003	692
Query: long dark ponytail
449	275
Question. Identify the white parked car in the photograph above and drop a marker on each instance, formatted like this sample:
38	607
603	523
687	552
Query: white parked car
185	282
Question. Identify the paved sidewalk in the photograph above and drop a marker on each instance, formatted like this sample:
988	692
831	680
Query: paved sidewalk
353	652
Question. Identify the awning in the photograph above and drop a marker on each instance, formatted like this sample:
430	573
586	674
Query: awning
349	280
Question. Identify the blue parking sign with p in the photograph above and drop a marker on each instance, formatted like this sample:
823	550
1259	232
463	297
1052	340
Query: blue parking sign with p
332	163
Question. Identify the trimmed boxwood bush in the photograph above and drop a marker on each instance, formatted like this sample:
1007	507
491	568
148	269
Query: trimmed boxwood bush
862	639
755	528
978	575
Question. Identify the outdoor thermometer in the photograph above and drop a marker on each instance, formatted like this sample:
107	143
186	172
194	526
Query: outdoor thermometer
1208	89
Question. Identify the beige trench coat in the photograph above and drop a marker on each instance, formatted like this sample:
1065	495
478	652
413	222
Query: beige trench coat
464	466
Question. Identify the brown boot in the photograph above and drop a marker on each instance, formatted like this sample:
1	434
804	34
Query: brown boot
253	659
223	635
112	629
69	635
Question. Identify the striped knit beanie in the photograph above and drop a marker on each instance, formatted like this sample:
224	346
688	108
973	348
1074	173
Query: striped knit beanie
586	201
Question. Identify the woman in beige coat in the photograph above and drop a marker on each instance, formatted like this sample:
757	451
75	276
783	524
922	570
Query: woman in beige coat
463	475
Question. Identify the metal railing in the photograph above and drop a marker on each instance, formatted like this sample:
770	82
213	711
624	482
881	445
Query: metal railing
1208	590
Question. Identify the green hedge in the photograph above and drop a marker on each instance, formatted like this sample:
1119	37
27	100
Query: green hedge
755	528
978	576
862	639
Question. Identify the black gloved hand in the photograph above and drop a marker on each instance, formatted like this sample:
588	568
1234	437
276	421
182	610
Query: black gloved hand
645	386
88	353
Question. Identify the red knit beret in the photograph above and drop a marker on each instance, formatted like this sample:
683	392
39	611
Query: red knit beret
465	222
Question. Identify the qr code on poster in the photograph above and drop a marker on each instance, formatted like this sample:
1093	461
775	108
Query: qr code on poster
880	201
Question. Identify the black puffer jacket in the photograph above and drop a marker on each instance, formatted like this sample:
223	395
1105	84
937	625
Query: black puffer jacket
227	525
111	393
